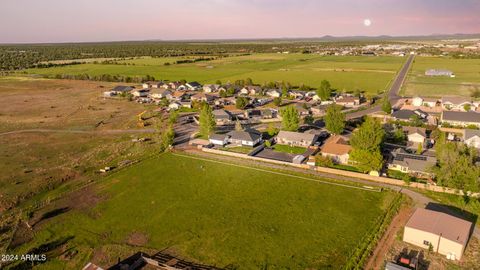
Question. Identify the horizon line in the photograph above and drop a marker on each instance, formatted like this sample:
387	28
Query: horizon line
324	37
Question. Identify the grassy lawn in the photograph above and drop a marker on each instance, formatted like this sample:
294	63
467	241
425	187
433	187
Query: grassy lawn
217	214
238	149
289	149
466	71
372	74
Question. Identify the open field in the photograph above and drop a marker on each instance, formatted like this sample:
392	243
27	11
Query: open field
467	78
348	73
34	162
222	215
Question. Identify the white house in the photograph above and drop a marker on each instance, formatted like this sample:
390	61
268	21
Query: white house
159	93
218	139
471	137
275	93
141	93
416	134
463	119
211	88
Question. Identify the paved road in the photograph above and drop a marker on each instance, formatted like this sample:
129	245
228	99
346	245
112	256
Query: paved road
393	96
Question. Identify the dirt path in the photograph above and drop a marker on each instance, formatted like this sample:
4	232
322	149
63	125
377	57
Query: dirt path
377	259
112	131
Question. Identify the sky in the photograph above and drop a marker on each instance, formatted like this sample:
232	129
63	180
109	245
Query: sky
32	21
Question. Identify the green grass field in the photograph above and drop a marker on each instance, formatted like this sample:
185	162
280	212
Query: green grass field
289	149
347	73
217	214
467	78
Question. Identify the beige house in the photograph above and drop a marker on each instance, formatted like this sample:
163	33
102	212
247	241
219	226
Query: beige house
295	138
441	232
337	148
463	119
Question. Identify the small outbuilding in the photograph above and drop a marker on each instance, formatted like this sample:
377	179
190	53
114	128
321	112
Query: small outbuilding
440	232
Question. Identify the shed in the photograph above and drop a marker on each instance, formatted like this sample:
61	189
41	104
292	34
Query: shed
446	234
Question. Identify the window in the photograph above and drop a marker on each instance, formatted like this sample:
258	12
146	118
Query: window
426	243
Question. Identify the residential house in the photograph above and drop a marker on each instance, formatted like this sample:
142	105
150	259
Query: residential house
141	93
337	148
222	117
302	109
261	113
457	104
463	119
407	115
174	85
298	95
203	97
411	163
158	84
426	102
178	96
120	89
174	105
186	104
296	138
159	93
146	85
471	137
347	101
251	90
218	139
439	72
318	110
441	232
274	93
211	88
249	137
193	86
416	135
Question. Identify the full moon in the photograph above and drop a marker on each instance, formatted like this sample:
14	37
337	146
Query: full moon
367	22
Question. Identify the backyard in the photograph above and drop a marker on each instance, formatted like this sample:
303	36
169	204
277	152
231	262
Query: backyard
289	149
217	214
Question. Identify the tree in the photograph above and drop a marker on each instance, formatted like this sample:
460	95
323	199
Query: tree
272	130
467	107
277	101
455	166
268	143
366	144
325	90
290	119
241	102
416	120
230	91
238	126
308	120
223	93
334	119
386	106
207	121
419	149
248	81
168	137
173	117
218	82
399	136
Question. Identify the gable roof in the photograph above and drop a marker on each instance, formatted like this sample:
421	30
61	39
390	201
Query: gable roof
449	227
413	130
472	117
470	133
455	100
296	136
245	135
222	114
336	145
123	88
414	162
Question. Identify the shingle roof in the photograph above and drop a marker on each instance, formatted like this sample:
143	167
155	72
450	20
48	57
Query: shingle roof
449	227
413	130
455	100
222	114
472	117
414	162
123	88
470	133
296	136
245	135
336	145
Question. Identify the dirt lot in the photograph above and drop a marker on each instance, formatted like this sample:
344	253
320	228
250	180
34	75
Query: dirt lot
430	260
39	161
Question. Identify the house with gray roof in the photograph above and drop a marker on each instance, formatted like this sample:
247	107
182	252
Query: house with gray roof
456	103
411	163
462	119
249	137
296	138
222	117
119	89
471	137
